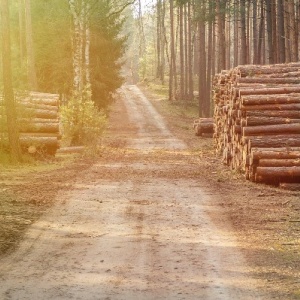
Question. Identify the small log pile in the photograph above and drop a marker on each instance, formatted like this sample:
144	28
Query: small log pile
257	121
38	121
204	126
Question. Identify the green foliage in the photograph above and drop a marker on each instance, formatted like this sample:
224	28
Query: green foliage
107	49
181	2
83	123
52	39
52	45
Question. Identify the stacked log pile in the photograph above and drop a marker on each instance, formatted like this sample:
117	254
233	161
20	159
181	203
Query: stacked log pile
38	121
204	126
257	121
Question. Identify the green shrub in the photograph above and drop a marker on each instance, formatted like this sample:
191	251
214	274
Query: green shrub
83	123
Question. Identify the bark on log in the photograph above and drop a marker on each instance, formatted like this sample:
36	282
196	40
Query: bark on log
43	95
268	80
277	174
258	121
270	99
272	141
37	120
44	101
47	145
40	135
206	127
40	128
279	162
265	105
279	107
269	91
248	70
38	106
294	114
271	129
38	113
273	153
39	141
202	120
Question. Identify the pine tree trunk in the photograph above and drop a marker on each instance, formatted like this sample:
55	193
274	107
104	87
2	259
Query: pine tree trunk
243	33
11	114
270	31
202	62
181	50
288	57
32	79
255	32
158	38
163	43
221	6
280	31
190	56
293	31
210	55
22	32
186	54
274	35
172	62
236	34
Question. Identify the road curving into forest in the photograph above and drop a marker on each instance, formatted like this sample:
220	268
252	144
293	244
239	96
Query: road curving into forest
136	225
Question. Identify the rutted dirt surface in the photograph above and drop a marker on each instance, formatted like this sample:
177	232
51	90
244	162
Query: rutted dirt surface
155	218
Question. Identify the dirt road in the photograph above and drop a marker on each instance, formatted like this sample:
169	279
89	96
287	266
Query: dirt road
137	225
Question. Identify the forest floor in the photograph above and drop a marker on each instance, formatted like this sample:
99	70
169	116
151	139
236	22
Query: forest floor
155	215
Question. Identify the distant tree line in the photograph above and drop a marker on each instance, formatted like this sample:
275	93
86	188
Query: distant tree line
196	39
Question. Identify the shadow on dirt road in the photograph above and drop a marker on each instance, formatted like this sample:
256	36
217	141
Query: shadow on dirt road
135	225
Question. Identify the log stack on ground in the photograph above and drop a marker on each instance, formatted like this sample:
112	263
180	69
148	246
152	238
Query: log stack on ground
204	126
257	121
38	120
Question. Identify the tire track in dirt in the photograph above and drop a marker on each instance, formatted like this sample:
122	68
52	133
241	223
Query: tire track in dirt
126	232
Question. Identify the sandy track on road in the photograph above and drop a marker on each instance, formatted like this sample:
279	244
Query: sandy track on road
132	228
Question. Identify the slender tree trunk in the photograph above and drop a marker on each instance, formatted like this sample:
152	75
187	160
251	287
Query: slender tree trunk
158	38
81	45
32	79
249	36
261	35
22	44
280	30
274	26
221	6
77	50
228	39
190	55
9	101
214	46
288	45
255	32
243	33
202	62
87	47
293	31
236	34
181	41
270	31
163	43
172	63
210	54
186	54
